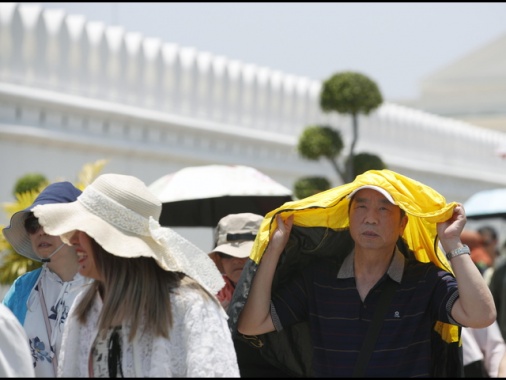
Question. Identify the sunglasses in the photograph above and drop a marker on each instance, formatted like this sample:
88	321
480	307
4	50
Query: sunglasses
32	225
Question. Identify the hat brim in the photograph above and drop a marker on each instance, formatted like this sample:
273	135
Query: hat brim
64	219
171	251
385	193
17	236
239	250
15	233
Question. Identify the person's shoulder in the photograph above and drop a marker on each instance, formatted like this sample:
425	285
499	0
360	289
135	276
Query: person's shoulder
29	276
26	280
421	264
191	294
189	302
420	268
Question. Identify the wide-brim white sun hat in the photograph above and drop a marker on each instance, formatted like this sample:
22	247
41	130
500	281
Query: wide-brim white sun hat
121	214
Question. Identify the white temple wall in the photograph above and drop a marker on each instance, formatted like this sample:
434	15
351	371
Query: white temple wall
74	91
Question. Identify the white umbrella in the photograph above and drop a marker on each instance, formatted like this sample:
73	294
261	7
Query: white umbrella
201	195
486	204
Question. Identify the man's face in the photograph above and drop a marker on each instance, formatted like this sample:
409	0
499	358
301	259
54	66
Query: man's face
375	223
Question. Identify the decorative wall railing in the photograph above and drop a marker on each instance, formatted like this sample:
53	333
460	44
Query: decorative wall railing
71	78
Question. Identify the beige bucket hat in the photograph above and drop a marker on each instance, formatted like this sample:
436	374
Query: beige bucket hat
235	233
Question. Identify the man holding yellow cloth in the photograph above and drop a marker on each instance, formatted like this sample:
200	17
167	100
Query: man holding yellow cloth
324	261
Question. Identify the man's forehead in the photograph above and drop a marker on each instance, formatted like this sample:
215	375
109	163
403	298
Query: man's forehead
377	189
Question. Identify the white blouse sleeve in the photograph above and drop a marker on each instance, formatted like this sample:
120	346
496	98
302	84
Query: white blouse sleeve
200	343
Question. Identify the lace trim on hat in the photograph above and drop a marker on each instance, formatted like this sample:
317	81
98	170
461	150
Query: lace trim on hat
181	255
187	258
114	212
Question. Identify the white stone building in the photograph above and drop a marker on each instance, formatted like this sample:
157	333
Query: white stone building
74	91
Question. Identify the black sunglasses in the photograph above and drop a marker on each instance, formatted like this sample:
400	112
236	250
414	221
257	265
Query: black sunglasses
32	225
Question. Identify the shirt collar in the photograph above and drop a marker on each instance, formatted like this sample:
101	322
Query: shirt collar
395	270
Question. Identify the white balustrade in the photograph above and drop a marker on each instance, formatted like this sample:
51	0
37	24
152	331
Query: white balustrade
64	74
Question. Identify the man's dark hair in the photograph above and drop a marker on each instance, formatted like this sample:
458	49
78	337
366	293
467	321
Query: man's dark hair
488	230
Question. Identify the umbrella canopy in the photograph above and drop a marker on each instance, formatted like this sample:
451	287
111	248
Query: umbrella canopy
199	196
486	204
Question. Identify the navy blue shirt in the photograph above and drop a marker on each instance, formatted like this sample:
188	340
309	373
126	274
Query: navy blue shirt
339	320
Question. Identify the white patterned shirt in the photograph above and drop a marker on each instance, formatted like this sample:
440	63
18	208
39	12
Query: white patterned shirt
59	296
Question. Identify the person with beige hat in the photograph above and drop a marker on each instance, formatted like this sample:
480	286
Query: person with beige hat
234	237
151	309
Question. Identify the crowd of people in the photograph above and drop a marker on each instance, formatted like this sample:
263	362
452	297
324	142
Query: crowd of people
373	278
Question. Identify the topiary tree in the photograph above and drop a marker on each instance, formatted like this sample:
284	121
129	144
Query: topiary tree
318	141
30	181
307	186
363	162
350	93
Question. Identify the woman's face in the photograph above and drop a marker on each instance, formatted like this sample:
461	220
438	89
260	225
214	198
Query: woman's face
85	255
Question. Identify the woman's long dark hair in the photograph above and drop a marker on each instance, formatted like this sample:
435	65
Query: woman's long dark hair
134	290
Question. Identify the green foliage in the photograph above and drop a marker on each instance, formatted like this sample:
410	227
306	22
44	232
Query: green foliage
307	186
347	93
350	93
363	162
320	141
30	181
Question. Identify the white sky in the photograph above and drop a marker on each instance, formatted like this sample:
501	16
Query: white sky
395	44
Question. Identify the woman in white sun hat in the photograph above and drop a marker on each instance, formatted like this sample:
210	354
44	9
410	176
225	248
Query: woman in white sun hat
151	309
41	298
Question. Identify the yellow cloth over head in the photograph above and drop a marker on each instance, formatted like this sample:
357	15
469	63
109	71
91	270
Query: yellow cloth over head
424	206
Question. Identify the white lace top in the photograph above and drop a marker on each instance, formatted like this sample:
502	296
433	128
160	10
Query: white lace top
200	343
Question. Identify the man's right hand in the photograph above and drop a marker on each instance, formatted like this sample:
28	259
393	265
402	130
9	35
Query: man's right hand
280	235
